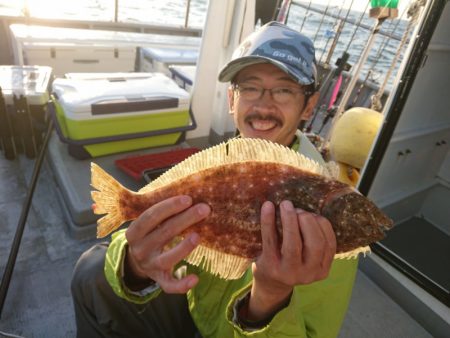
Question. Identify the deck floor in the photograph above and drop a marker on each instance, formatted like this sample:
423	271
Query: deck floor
39	302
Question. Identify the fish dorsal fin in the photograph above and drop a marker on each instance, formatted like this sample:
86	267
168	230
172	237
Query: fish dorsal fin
238	150
219	263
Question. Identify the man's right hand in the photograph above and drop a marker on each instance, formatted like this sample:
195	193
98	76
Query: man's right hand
152	231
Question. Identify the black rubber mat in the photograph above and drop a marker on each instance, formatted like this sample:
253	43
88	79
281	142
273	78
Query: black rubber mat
424	247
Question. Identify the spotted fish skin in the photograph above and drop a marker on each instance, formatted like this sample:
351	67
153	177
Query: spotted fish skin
235	178
235	192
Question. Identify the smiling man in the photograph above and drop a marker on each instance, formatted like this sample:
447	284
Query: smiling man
267	103
273	87
134	286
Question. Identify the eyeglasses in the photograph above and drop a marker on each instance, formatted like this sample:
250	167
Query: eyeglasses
279	94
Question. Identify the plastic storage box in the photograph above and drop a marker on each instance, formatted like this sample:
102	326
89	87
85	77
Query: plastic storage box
85	50
25	91
109	113
184	76
158	59
153	164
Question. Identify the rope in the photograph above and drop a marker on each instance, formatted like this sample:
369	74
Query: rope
380	51
385	43
413	12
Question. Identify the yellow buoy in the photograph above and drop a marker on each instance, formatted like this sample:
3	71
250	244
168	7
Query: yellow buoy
353	135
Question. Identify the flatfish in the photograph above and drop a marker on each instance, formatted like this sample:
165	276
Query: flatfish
234	179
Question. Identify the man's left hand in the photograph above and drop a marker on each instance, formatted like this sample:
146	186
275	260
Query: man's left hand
304	256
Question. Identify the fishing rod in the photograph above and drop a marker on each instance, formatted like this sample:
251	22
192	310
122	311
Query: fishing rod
331	109
381	14
358	25
335	30
6	135
327	82
321	21
323	84
380	51
342	65
306	14
338	34
326	64
349	20
283	11
413	12
6	279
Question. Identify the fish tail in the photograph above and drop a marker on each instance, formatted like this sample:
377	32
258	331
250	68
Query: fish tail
107	200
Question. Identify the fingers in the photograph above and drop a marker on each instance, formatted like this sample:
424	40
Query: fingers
176	224
166	220
319	242
313	239
148	235
292	241
268	230
306	252
157	213
173	285
171	257
330	238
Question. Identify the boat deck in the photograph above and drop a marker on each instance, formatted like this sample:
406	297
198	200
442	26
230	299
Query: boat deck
39	302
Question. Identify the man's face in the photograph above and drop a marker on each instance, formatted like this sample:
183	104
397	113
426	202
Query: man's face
264	117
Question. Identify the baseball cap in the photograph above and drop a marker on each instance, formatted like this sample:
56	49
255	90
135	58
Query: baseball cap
280	45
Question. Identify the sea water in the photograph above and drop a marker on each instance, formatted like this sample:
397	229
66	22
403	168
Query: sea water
322	29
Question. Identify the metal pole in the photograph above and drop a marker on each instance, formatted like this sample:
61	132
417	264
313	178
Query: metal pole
116	11
22	220
186	17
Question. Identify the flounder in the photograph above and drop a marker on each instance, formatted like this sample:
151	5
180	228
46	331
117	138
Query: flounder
234	179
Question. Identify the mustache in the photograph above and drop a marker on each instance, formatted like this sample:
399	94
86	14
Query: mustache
258	116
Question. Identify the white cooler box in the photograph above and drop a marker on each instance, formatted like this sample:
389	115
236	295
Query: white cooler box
158	59
85	50
23	119
184	76
101	114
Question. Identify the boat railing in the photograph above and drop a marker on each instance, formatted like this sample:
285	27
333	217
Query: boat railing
113	24
344	18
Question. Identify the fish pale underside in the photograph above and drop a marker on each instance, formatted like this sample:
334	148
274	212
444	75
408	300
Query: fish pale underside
235	178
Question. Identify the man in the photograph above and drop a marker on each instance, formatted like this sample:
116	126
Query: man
295	289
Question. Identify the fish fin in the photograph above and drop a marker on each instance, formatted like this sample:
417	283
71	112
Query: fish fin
333	169
239	150
353	253
106	200
224	265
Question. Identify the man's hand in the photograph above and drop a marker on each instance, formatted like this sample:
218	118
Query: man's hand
155	228
305	256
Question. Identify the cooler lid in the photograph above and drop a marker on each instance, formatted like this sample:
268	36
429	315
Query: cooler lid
112	94
183	72
169	55
30	81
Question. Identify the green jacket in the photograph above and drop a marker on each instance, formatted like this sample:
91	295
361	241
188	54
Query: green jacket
315	310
